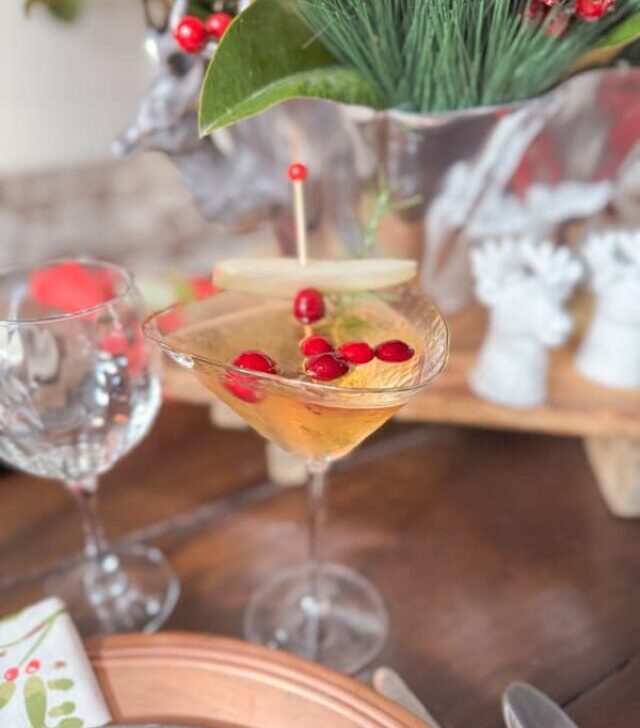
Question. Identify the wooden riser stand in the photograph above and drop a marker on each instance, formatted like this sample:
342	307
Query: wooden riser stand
608	420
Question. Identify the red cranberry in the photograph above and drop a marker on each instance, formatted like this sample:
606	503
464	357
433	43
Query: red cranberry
11	674
314	345
357	352
394	351
217	24
32	666
190	34
326	367
255	361
308	306
297	172
242	387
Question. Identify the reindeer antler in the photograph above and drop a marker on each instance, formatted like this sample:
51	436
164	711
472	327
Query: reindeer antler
495	264
610	256
555	265
498	264
629	243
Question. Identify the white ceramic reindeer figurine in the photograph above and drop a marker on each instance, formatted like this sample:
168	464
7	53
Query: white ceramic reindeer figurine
610	351
525	285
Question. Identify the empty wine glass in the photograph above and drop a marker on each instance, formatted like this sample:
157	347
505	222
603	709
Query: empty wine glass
78	390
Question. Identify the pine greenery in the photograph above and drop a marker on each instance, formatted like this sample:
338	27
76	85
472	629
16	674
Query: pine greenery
439	55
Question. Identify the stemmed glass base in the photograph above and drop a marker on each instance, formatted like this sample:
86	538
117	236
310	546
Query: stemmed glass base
344	627
129	588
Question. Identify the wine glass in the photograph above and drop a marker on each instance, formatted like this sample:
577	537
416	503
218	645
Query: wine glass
325	612
79	389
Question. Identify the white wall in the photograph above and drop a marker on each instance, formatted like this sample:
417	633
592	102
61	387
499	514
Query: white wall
67	88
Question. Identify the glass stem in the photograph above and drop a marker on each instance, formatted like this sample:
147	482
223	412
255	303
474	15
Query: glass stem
85	493
317	510
317	516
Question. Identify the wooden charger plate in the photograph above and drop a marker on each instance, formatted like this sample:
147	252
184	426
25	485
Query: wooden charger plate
211	681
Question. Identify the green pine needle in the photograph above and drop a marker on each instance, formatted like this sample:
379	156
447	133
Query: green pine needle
439	55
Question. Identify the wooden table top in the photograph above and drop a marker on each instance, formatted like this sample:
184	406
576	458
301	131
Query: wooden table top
497	557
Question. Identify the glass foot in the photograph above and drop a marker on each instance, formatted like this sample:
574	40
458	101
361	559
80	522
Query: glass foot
132	589
345	628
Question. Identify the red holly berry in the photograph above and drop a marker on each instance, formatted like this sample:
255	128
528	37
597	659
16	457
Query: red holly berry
297	172
190	34
255	361
326	367
357	352
394	351
308	306
32	666
11	674
217	24
592	10
314	345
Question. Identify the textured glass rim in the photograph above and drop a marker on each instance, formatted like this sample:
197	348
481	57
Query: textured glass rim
126	275
151	330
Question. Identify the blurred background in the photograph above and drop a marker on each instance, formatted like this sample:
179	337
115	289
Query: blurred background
66	89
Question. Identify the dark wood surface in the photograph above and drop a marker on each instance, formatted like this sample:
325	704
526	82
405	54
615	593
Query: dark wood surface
495	553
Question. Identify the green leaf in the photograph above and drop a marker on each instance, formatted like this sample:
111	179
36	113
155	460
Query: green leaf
7	689
35	700
614	42
268	56
66	708
70	723
63	683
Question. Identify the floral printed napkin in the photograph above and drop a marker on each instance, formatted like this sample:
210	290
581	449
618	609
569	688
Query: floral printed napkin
46	680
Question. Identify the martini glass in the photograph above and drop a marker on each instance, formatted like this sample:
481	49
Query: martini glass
325	612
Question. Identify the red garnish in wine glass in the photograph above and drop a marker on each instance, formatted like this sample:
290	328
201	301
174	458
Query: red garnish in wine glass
70	287
326	367
315	344
357	352
394	351
308	306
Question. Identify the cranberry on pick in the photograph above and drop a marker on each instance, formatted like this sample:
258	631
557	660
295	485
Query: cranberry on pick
357	352
315	344
297	172
326	367
394	351
308	306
